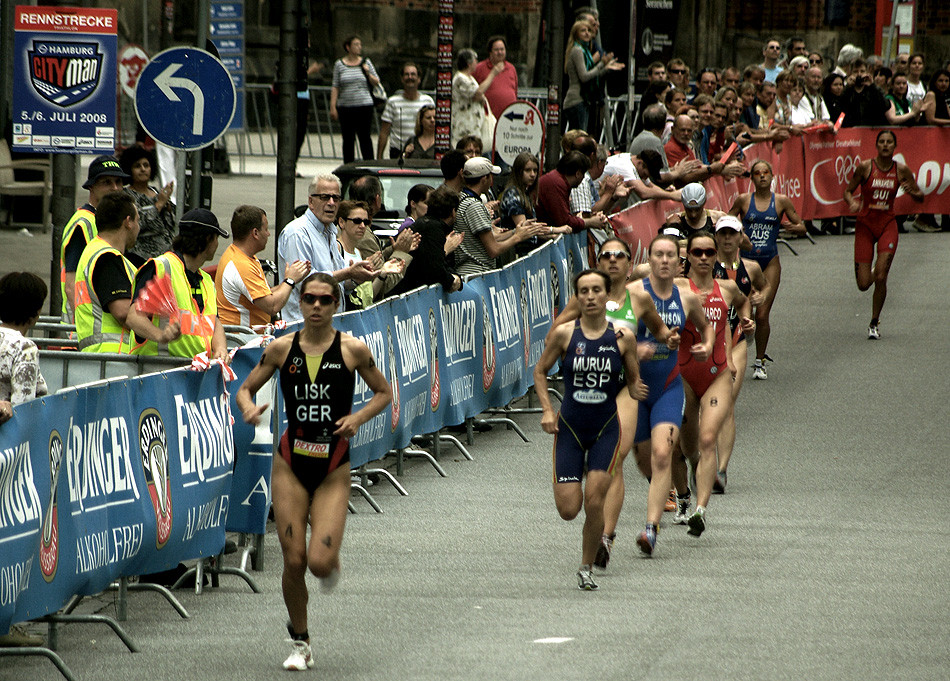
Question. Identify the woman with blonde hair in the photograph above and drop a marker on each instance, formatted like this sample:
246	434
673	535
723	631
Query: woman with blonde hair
583	69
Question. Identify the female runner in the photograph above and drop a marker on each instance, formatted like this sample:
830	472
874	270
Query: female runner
761	212
311	477
707	382
596	363
879	178
625	309
749	278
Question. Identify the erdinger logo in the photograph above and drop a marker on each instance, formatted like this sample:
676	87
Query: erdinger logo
154	450
488	351
555	290
49	539
393	378
525	322
65	73
435	386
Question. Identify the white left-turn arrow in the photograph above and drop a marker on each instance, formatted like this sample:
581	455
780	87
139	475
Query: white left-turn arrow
166	81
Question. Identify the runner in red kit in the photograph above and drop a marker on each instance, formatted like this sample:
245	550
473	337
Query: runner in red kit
880	179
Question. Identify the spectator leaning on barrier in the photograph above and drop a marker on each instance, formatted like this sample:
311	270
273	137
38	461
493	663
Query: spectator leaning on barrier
554	188
193	288
504	88
654	121
589	196
452	164
398	121
104	282
481	245
243	295
430	265
811	109
105	175
312	237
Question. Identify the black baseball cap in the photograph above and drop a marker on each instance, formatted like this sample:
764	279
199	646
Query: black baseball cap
201	218
104	166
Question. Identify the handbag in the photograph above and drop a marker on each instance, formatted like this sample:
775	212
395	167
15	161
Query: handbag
377	92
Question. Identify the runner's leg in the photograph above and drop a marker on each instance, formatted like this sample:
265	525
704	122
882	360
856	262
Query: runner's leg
291	505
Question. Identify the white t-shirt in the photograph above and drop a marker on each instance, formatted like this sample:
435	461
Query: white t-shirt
915	92
401	114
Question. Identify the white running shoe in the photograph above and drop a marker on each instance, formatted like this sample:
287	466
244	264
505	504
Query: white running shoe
682	510
758	370
300	659
585	580
873	332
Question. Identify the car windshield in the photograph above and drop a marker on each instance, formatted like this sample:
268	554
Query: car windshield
396	189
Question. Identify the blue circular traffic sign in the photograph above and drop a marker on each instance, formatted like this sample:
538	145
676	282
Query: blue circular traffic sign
185	98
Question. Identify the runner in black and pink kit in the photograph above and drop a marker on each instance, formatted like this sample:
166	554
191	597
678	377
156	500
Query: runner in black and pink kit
310	481
596	364
707	384
879	179
749	278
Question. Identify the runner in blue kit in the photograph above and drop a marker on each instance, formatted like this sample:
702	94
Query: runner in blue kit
661	413
626	310
596	363
762	212
311	477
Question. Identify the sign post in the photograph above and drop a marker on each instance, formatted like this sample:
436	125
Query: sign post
520	128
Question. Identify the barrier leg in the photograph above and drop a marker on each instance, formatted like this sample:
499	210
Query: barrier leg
163	590
252	547
787	245
451	439
44	652
122	601
350	507
89	619
421	453
508	423
366	495
382	472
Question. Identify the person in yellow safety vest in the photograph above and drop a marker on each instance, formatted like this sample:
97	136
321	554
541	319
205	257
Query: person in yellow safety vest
105	175
104	280
201	330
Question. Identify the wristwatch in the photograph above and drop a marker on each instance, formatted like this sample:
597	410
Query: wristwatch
290	282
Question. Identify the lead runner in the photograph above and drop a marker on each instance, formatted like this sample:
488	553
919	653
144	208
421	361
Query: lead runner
311	477
879	178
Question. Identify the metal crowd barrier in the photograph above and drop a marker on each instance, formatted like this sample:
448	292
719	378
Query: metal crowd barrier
323	141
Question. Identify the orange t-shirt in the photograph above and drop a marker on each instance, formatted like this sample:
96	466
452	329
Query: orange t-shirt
240	281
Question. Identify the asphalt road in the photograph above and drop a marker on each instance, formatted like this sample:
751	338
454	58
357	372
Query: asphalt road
827	558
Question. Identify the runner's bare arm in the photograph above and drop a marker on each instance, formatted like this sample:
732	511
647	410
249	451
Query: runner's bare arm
272	358
909	183
554	347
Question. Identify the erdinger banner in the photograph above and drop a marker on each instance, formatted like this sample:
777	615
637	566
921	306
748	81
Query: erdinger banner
64	84
124	478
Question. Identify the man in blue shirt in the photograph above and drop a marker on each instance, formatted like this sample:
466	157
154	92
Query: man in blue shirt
312	237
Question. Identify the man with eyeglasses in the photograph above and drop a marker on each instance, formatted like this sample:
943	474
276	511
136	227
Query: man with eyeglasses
811	109
398	122
313	237
771	53
244	296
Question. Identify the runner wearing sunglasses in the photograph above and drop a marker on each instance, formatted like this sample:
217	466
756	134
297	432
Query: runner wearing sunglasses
708	381
311	477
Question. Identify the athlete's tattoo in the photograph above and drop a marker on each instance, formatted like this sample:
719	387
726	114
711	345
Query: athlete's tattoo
372	363
713	402
263	355
289	532
327	541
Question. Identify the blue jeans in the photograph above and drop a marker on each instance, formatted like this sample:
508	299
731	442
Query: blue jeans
576	117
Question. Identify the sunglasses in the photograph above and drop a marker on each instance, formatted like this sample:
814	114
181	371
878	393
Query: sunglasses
360	221
613	254
816	61
700	252
678	71
326	197
312	299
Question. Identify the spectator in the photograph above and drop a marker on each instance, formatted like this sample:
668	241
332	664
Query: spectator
422	144
797	66
656	71
784	83
771	54
795	47
811	109
640	175
243	294
901	63
504	88
21	300
592	196
156	209
655	93
451	165
675	100
654	118
417	204
731	77
351	98
480	245
582	75
517	201
815	59
104	282
882	79
846	58
303	107
400	117
554	189
708	82
916	90
832	89
755	74
680	148
569	137
862	103
678	74
469	114
430	266
765	103
470	145
898	98
193	288
353	220
312	237
936	105
105	175
595	89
